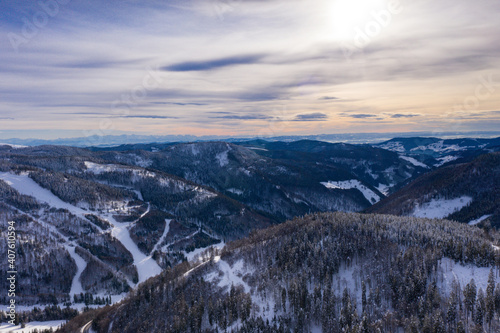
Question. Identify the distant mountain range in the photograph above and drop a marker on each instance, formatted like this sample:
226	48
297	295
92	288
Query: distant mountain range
435	152
124	139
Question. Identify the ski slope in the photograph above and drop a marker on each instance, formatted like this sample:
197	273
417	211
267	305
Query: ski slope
76	285
27	186
162	238
146	265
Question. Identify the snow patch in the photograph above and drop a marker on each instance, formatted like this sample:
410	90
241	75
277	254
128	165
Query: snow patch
446	159
479	220
196	255
235	191
441	208
222	158
232	274
194	149
413	161
384	189
39	325
462	274
13	146
394	146
142	162
371	196
257	148
97	169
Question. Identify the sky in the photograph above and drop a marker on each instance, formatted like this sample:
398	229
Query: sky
248	67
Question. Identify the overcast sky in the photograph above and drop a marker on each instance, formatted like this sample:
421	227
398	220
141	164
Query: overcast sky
240	67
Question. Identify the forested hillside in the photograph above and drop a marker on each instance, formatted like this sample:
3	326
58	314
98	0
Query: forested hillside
94	224
327	272
478	180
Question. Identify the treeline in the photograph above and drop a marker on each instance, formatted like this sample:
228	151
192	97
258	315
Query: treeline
89	299
49	313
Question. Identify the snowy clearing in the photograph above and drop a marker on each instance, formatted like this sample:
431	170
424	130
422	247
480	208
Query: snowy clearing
384	189
479	220
371	196
445	159
394	146
462	274
235	191
441	208
100	168
231	275
222	158
13	146
196	254
413	161
439	147
257	148
39	325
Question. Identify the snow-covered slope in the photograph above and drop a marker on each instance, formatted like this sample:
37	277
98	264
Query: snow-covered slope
479	220
414	161
371	196
464	192
25	185
40	326
146	266
310	273
440	208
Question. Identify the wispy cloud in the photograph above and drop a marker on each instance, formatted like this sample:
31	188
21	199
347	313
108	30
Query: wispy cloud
150	117
404	115
265	61
318	116
233	116
179	103
214	63
359	115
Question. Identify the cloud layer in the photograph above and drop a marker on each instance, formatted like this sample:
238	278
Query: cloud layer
241	67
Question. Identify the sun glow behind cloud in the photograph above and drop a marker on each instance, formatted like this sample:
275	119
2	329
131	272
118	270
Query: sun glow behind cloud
349	15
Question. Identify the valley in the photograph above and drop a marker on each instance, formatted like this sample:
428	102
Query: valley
102	225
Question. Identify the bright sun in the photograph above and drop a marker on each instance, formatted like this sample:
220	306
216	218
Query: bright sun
350	14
